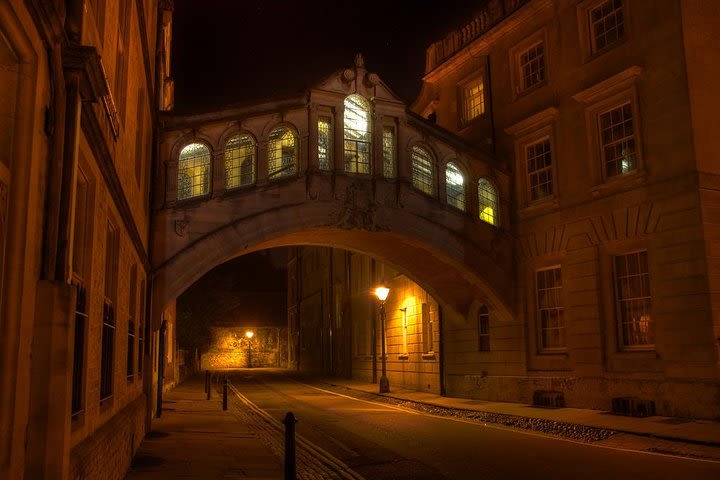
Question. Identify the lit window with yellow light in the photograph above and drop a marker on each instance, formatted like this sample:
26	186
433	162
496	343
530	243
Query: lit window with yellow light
193	171
357	135
324	143
282	153
488	202
239	161
473	97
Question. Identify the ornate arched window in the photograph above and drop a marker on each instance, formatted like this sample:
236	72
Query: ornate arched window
194	169
423	176
488	202
282	153
239	161
357	134
455	186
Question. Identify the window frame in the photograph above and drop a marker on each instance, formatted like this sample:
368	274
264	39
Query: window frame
585	30
460	171
541	347
432	168
330	142
209	174
390	164
496	213
368	108
516	73
618	319
226	150
463	97
292	172
483	329
603	97
528	175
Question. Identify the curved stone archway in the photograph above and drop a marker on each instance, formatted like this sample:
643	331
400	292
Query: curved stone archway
457	258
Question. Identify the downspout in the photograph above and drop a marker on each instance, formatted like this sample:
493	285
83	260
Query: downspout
441	350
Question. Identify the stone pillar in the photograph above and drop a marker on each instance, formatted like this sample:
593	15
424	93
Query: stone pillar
218	172
171	177
48	438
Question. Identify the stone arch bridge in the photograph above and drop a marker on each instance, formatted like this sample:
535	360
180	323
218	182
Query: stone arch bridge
414	202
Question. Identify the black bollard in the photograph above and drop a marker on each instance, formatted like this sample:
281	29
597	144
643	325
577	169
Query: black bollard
207	380
290	422
225	385
209	385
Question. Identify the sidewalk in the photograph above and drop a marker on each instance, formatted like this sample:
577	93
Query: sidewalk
196	439
698	432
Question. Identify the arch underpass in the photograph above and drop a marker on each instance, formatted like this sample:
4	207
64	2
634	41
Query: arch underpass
457	258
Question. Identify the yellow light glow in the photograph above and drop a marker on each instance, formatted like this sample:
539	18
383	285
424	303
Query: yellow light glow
249	334
382	293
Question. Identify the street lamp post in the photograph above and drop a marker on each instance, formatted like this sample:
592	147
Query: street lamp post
249	335
382	293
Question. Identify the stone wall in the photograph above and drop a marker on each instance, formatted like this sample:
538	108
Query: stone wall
108	452
230	348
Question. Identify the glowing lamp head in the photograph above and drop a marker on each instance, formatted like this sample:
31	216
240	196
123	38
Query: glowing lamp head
382	293
249	334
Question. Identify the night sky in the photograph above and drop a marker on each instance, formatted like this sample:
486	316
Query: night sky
235	51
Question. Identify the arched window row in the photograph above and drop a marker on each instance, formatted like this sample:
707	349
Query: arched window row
240	162
423	179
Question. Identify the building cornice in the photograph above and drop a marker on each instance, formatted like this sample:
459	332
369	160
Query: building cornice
533	122
520	15
617	82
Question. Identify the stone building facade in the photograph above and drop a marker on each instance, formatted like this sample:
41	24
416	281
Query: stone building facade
600	110
77	108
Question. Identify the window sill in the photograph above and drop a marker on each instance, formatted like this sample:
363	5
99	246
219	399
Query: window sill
619	183
520	94
540	207
429	356
404	356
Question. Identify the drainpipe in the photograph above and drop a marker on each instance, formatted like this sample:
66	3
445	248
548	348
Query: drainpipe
441	350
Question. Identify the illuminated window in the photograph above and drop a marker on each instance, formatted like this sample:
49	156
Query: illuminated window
455	186
239	161
194	171
473	100
532	66
539	169
325	143
282	153
550	308
617	136
607	25
483	329
423	177
389	150
632	293
488	202
357	134
427	330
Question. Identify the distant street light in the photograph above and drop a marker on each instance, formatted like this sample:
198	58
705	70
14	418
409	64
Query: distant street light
249	335
382	293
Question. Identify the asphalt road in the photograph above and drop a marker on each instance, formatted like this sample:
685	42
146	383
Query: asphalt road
381	442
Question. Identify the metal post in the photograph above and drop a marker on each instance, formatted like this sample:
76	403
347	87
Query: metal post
384	382
209	386
290	422
207	380
225	386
